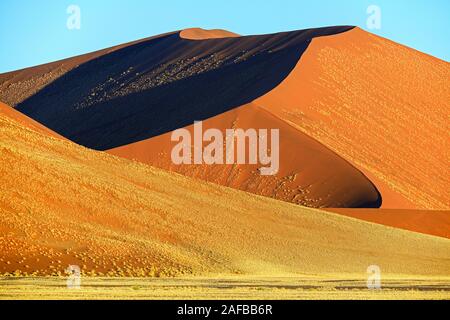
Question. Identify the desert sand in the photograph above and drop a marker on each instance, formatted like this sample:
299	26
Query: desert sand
202	34
63	204
382	106
167	82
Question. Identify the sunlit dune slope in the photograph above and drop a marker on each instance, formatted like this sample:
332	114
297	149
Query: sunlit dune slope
436	223
63	204
382	106
309	174
202	34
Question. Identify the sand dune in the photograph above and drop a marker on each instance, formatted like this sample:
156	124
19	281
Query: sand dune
17	86
225	288
374	123
167	83
64	204
382	106
202	34
309	175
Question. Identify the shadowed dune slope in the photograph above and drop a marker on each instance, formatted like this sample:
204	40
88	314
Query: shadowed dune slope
436	223
309	174
63	204
382	106
156	86
17	86
8	112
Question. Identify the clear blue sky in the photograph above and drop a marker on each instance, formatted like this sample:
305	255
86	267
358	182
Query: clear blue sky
34	31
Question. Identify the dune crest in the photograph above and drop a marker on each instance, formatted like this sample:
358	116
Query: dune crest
202	34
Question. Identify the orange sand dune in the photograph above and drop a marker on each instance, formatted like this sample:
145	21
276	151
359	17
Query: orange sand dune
309	175
202	34
436	223
382	106
152	87
148	89
64	204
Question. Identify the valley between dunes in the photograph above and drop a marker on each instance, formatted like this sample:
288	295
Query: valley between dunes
63	204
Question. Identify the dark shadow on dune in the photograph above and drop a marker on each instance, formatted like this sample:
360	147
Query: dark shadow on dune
172	83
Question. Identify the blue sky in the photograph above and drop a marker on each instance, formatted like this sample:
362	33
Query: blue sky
34	31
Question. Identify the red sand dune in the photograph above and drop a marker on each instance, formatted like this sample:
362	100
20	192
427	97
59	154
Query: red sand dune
436	223
62	204
382	106
17	86
309	175
148	97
